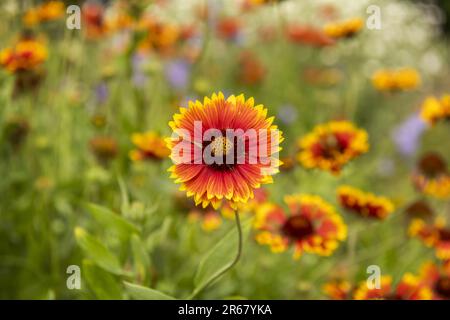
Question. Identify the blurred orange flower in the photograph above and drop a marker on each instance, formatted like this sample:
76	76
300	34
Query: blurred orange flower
344	29
26	54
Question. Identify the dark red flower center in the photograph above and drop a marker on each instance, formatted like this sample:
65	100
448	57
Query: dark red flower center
333	144
442	287
297	227
432	165
444	234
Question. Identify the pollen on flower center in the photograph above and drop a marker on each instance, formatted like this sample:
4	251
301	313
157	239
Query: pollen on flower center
298	227
221	146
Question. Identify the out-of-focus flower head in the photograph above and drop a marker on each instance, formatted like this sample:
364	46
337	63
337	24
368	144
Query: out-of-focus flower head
178	73
26	54
48	11
104	148
324	77
331	145
160	36
431	176
410	287
434	281
407	135
396	80
16	130
93	20
419	210
436	235
149	146
308	35
211	182
209	219
228	28
287	114
434	110
344	29
364	204
251	69
311	226
337	289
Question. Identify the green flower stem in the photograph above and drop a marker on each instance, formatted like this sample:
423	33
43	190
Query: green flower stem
236	258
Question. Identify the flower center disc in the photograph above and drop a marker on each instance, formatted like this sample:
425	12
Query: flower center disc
330	146
221	146
443	287
432	165
297	227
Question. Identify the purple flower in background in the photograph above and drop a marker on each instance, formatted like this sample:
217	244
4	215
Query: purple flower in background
138	77
287	114
407	135
101	93
177	73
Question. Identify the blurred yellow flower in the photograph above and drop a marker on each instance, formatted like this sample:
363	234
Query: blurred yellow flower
344	29
434	110
396	80
431	176
149	146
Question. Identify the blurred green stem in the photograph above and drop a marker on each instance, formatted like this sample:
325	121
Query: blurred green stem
236	258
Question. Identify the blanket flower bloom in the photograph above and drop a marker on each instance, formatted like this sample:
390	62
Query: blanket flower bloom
436	279
337	289
431	176
331	145
48	11
149	146
311	226
396	80
410	287
434	110
223	149
26	54
364	204
436	235
344	29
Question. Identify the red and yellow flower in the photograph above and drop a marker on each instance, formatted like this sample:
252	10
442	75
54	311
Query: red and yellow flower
344	29
396	80
436	235
337	289
311	225
434	110
435	281
260	197
331	145
211	182
410	287
431	176
364	204
150	146
27	54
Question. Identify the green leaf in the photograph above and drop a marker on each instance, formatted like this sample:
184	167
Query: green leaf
138	292
111	220
104	285
97	252
219	258
140	256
